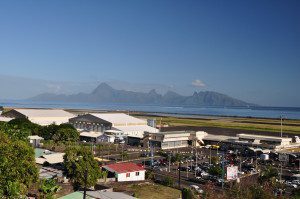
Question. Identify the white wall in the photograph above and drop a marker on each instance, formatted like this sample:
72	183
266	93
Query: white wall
122	176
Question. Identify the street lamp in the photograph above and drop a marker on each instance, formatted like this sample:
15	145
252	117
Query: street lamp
196	154
281	120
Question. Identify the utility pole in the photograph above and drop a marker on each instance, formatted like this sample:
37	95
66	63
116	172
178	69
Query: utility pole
196	164
240	163
280	171
223	170
179	177
85	182
122	153
280	125
187	168
160	124
209	155
169	157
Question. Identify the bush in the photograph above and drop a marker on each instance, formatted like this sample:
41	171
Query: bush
168	181
215	170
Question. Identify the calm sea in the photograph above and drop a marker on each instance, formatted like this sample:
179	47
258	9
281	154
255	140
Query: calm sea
263	112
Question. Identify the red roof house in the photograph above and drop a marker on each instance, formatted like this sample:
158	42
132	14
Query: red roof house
126	171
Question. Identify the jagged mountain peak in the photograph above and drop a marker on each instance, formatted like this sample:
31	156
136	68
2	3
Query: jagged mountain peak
104	93
102	87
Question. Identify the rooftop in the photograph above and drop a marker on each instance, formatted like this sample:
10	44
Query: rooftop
35	137
135	128
91	134
44	113
89	118
5	119
263	137
174	132
120	119
124	167
219	137
53	158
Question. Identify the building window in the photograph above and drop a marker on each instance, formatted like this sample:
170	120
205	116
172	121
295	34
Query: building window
127	175
137	173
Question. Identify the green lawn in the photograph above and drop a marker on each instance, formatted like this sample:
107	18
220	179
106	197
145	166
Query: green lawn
271	125
154	191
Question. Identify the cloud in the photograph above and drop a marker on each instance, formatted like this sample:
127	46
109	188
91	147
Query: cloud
198	83
54	88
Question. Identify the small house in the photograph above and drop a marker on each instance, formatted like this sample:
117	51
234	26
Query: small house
126	171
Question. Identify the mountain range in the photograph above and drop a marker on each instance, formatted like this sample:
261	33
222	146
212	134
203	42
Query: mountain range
106	94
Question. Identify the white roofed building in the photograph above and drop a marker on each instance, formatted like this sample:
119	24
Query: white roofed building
41	116
167	140
120	119
103	122
53	158
35	140
131	126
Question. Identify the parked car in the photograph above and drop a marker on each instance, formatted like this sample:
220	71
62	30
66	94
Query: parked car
196	188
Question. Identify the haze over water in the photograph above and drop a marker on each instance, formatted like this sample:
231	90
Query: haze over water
263	112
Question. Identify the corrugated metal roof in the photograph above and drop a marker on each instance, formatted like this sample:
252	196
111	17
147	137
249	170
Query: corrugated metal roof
124	167
108	195
45	113
137	128
120	119
5	119
89	118
35	137
75	195
91	134
53	158
42	116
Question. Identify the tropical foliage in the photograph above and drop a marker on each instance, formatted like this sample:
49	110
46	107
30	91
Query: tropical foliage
17	167
47	188
81	167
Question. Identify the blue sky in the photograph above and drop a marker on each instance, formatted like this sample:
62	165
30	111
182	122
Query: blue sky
246	49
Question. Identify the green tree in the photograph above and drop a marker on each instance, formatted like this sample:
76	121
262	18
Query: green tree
47	188
149	175
48	131
176	158
168	181
124	155
103	175
215	170
269	174
80	166
215	160
25	124
17	167
14	131
66	134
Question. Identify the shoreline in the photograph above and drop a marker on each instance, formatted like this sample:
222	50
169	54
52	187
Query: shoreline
155	114
230	125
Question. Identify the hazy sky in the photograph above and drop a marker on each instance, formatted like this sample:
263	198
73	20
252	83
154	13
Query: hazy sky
246	49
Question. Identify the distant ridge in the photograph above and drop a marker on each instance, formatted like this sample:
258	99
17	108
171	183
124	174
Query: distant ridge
106	94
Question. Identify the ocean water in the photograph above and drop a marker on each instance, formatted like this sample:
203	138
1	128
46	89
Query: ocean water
263	112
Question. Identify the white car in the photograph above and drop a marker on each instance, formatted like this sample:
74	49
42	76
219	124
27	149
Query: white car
296	182
196	188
